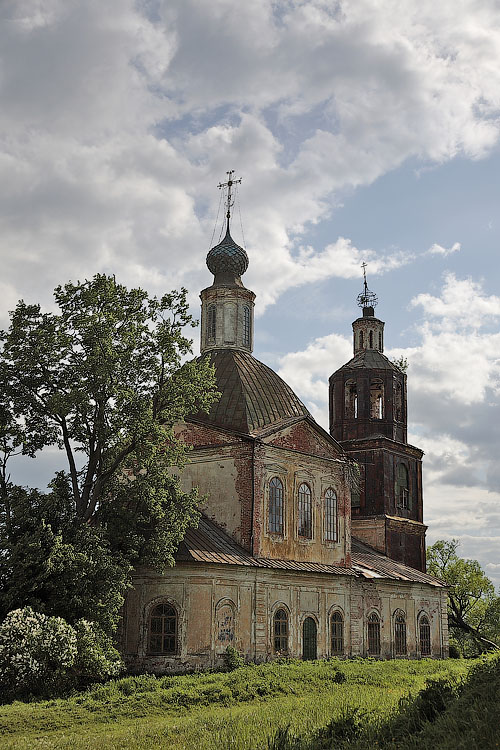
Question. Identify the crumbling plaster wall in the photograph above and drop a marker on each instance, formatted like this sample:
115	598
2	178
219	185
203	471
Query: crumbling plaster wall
221	605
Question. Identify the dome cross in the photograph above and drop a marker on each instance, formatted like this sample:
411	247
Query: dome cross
229	199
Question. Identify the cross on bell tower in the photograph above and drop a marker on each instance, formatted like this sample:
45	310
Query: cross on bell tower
229	198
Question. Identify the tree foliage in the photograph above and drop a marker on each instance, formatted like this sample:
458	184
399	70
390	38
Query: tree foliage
102	380
473	608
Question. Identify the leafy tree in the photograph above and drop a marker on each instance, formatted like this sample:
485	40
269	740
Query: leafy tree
102	379
473	608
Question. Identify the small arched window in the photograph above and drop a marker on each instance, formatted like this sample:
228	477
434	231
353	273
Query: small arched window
276	506
402	490
337	625
280	632
400	633
246	326
371	339
380	341
163	625
373	634
425	636
361	339
211	322
305	511
330	515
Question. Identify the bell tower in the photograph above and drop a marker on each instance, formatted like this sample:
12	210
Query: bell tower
368	416
227	307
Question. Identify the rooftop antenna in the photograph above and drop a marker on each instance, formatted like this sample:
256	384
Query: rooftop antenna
229	200
366	298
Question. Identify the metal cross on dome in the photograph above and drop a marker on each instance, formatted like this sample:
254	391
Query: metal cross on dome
230	200
366	298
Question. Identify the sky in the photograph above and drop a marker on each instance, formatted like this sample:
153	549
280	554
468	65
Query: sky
363	131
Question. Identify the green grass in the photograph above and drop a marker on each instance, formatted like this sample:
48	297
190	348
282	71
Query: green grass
240	709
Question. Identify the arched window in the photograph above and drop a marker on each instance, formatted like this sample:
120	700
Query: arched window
305	511
246	326
163	624
425	636
371	339
280	632
380	341
399	402
351	399
373	634
376	399
361	339
402	487
276	506
330	515
400	633
211	322
337	624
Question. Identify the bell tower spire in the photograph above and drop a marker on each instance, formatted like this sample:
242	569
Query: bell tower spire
227	306
368	331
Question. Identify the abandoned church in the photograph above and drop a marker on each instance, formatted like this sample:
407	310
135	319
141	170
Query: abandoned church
311	544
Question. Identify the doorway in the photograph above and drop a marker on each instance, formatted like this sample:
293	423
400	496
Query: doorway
309	639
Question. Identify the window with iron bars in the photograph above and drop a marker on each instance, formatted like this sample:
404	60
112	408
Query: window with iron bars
305	511
276	506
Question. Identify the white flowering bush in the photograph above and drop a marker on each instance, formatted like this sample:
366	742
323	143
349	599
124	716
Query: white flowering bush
42	655
36	652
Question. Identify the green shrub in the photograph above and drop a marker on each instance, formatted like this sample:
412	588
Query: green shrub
232	659
96	659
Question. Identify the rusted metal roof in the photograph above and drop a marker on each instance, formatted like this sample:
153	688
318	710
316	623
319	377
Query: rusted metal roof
369	359
372	564
253	395
209	544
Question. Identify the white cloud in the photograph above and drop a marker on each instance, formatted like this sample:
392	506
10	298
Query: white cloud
118	120
436	249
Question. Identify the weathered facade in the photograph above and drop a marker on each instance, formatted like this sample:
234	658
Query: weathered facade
273	567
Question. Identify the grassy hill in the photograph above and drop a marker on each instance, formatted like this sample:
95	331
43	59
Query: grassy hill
243	709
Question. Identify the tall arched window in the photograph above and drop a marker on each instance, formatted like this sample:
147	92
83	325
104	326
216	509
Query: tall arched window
280	632
376	399
337	625
402	487
330	515
163	624
400	633
373	634
380	341
351	399
305	511
425	635
211	322
399	402
246	326
361	339
371	339
276	506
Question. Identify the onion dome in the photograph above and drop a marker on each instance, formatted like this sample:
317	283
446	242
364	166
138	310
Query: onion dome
227	258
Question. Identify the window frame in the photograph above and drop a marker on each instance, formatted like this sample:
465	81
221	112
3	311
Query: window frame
400	634
274	501
247	326
374	633
164	632
331	520
283	633
304	504
335	637
424	622
211	322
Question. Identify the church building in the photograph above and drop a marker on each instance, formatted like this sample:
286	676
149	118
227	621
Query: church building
311	543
